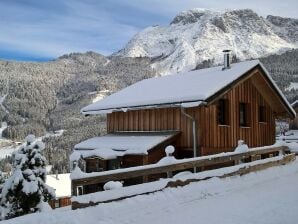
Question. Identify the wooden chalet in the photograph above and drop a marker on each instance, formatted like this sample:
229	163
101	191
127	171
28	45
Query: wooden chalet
199	112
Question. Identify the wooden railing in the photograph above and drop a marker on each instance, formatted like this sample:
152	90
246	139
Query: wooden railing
199	162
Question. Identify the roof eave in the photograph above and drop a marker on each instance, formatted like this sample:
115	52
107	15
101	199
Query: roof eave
179	104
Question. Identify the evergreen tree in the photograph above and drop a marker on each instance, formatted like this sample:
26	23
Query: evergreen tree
2	181
25	190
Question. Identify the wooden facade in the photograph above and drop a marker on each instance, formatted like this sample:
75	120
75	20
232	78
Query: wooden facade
60	202
211	137
96	164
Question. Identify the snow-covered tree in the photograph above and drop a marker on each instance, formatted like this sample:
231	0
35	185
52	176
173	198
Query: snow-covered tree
25	190
2	181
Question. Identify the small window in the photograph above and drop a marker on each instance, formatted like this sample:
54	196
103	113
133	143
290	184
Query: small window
223	112
262	114
113	164
57	204
244	114
80	190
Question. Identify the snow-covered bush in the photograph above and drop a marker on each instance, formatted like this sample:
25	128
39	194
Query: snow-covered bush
112	185
25	190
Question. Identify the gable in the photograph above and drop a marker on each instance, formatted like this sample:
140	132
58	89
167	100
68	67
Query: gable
265	86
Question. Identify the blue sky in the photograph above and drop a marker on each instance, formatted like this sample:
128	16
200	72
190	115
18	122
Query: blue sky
39	30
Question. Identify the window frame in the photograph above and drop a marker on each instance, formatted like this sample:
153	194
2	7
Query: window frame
223	112
244	115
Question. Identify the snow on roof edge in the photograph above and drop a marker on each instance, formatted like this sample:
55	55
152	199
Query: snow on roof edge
185	104
291	109
241	67
193	103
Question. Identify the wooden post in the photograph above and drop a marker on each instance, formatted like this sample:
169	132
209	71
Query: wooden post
73	189
255	157
145	162
281	152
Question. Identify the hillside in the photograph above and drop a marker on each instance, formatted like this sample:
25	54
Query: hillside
45	97
42	97
199	35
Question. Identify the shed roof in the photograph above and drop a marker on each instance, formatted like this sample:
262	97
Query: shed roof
187	89
120	143
61	183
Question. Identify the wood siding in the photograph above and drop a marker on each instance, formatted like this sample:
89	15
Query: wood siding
60	202
212	138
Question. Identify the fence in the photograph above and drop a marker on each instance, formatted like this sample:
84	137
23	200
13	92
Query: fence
184	164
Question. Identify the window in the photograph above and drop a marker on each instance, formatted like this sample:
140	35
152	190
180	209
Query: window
113	164
80	190
262	114
57	204
244	114
223	112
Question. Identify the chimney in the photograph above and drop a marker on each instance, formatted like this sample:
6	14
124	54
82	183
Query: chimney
227	59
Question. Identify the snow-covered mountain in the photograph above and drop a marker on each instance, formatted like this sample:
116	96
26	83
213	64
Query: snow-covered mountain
200	34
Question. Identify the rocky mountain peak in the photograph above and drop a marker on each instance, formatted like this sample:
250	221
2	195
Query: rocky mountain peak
198	35
190	16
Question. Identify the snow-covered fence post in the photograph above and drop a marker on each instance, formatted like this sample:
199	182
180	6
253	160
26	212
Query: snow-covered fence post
168	159
281	152
169	154
242	147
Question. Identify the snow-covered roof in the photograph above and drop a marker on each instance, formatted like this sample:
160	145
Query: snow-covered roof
184	89
61	183
113	145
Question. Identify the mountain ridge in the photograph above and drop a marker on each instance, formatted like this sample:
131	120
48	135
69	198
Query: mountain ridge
197	35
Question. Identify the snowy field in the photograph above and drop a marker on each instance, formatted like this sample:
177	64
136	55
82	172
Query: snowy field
7	147
269	196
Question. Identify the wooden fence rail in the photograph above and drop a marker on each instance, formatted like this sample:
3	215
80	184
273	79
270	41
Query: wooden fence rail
133	172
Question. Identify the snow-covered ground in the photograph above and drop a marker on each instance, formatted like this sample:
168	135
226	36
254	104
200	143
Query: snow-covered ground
290	136
269	196
99	95
2	98
7	147
7	151
293	85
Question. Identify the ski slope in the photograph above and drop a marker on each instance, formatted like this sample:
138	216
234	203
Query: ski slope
269	196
